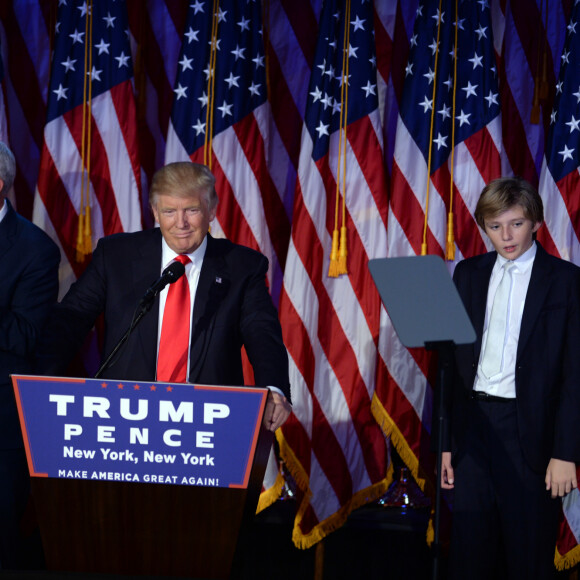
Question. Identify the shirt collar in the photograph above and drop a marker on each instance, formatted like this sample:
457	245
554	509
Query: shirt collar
524	262
196	257
4	210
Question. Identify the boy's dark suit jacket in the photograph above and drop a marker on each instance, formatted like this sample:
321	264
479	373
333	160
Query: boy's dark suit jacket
547	363
232	308
28	287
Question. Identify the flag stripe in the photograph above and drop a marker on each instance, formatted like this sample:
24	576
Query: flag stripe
251	141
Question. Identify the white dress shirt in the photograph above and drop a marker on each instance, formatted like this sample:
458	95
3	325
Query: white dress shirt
503	383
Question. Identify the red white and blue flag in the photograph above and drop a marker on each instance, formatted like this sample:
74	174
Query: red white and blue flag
89	179
332	444
528	40
560	178
26	59
560	186
221	117
447	146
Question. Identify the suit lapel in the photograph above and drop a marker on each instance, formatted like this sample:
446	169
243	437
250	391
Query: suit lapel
537	291
211	289
480	283
146	269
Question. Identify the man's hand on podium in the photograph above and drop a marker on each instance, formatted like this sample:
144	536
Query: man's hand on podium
278	409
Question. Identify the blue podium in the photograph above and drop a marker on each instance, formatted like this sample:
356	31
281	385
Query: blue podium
137	478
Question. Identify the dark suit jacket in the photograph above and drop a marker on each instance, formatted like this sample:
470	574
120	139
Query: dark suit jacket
232	308
547	363
28	287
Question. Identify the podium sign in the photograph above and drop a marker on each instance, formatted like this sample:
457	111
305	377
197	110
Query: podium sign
140	478
139	432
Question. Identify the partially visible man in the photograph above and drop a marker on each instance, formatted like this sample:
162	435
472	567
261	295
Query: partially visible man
29	262
226	304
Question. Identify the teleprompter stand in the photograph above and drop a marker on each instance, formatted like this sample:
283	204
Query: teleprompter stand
426	311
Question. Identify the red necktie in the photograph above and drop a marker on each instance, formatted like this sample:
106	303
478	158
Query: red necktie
174	341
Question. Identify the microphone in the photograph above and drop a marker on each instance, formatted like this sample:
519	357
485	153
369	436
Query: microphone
172	273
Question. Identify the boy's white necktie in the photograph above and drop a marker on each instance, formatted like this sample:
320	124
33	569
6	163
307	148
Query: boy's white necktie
494	346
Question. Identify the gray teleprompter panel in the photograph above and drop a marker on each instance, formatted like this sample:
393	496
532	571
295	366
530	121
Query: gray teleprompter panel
421	300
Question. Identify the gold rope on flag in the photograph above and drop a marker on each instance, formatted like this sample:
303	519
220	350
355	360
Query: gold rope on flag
424	244
450	248
338	253
207	146
266	36
139	70
541	86
84	234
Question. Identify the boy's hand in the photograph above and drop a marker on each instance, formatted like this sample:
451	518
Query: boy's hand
561	477
447	480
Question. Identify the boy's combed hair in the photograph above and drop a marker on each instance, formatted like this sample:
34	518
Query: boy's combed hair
502	194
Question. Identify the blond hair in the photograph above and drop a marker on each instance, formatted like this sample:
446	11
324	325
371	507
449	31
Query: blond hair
502	194
182	179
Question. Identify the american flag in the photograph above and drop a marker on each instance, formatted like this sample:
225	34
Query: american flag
26	55
424	215
89	179
559	185
333	446
559	180
528	40
443	114
448	132
156	34
221	117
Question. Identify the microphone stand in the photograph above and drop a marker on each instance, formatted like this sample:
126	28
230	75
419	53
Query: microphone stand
172	273
143	307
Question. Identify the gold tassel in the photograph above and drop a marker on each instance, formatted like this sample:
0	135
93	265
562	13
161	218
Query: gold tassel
84	238
80	238
84	242
342	252
88	231
337	264
450	246
208	138
450	249
333	267
432	125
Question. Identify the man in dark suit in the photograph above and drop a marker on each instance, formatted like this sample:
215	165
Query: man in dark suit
230	305
513	417
28	287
